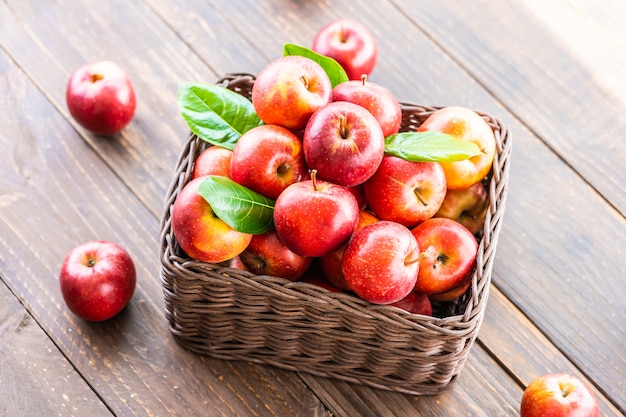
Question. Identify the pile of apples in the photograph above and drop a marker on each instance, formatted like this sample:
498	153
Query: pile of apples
340	208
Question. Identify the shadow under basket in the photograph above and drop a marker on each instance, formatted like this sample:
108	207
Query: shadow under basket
231	314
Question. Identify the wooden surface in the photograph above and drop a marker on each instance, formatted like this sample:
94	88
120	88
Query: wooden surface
552	72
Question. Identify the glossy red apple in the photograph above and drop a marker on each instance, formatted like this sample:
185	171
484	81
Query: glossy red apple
467	206
214	160
267	159
377	99
415	303
199	232
313	217
266	254
344	143
331	264
349	43
466	125
558	395
289	89
381	262
449	254
97	280
101	97
405	192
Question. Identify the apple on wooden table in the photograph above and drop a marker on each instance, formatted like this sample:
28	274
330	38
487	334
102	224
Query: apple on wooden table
97	280
558	395
101	97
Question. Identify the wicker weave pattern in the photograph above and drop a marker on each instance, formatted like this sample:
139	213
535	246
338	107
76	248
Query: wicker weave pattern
231	314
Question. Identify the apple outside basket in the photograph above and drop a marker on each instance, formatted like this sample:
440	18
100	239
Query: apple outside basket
231	314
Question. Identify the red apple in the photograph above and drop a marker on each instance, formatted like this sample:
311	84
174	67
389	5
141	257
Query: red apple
558	395
449	254
267	159
97	280
313	217
376	99
454	293
331	264
214	160
267	255
405	192
100	97
289	89
468	126
415	303
314	276
381	262
199	232
349	43
467	206
344	143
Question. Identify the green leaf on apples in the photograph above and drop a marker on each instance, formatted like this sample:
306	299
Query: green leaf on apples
429	146
239	207
333	69
216	114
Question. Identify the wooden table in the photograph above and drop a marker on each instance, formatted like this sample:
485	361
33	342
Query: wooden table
552	71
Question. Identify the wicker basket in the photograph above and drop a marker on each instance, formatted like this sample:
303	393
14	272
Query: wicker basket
232	314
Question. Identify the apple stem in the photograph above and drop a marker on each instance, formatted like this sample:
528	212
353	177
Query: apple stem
427	253
342	34
420	198
314	179
363	78
343	129
96	77
305	81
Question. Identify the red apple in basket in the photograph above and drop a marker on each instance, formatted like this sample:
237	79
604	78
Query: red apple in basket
331	264
349	43
466	125
344	143
558	395
97	280
449	254
289	89
455	292
405	192
376	99
381	262
415	303
314	217
267	255
267	159
214	160
468	206
101	97
199	232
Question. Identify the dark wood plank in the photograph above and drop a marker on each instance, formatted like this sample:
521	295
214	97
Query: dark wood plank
556	267
35	378
57	193
561	71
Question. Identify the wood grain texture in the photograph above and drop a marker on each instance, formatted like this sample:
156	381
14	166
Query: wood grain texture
60	194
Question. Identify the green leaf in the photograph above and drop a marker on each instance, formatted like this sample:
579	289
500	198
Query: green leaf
335	71
216	114
429	146
241	208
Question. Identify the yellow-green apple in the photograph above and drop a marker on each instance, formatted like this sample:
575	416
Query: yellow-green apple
449	254
377	99
267	159
214	160
415	303
266	254
467	206
199	232
314	217
405	192
289	89
101	97
344	143
97	280
466	125
349	43
331	264
558	395
381	262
